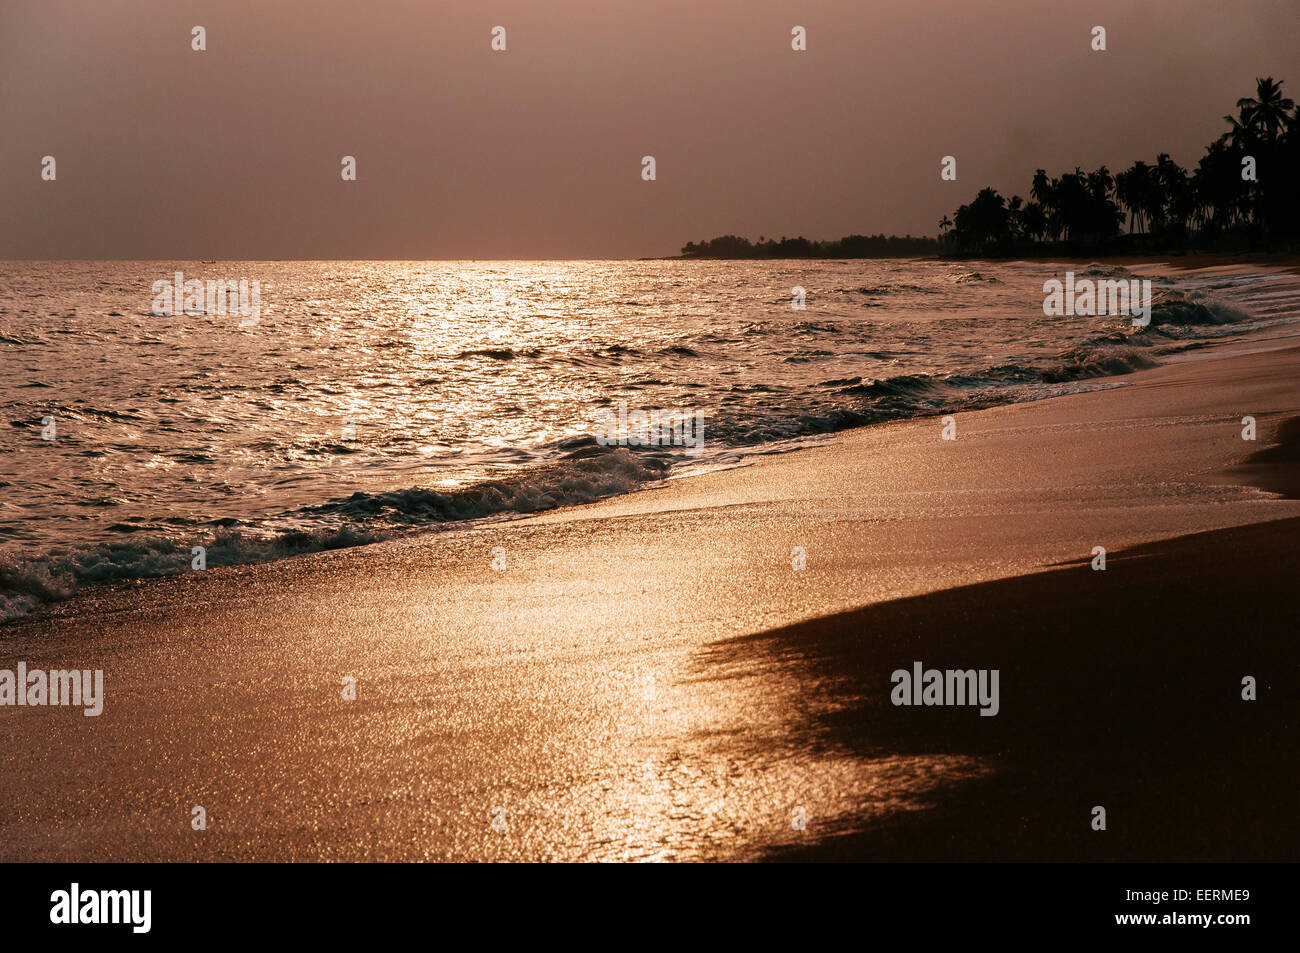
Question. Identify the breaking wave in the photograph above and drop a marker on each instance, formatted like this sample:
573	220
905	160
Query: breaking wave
587	473
29	582
842	403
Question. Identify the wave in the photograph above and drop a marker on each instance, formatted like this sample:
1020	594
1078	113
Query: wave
1184	308
1098	270
843	403
588	472
26	583
888	289
499	353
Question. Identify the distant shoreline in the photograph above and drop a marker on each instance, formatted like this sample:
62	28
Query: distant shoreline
1178	259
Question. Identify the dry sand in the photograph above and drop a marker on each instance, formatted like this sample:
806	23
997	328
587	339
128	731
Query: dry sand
649	678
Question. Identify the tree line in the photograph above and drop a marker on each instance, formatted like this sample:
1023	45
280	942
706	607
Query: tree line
851	246
1243	194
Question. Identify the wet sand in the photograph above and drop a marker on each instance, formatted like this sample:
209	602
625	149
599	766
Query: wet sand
1121	689
651	678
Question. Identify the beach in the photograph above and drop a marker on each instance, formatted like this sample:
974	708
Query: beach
702	669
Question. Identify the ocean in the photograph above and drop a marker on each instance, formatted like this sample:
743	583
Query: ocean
367	400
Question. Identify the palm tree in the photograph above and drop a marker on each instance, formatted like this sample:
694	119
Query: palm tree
1032	221
1124	192
1267	117
1267	112
1139	194
1286	207
1102	216
1154	197
1176	191
983	223
1218	185
1073	201
1240	135
1014	206
1045	192
945	223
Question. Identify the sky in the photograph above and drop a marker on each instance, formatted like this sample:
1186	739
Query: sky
536	152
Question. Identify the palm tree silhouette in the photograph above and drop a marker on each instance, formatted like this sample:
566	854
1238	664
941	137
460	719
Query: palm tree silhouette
1257	131
1044	191
1177	201
1014	212
1218	186
1266	114
1136	191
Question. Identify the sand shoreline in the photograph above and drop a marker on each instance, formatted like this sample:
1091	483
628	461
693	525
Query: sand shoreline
593	695
1123	690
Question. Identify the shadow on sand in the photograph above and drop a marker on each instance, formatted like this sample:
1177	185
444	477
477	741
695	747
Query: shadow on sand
1120	688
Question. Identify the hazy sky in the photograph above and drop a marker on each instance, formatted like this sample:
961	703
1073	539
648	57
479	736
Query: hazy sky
462	152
